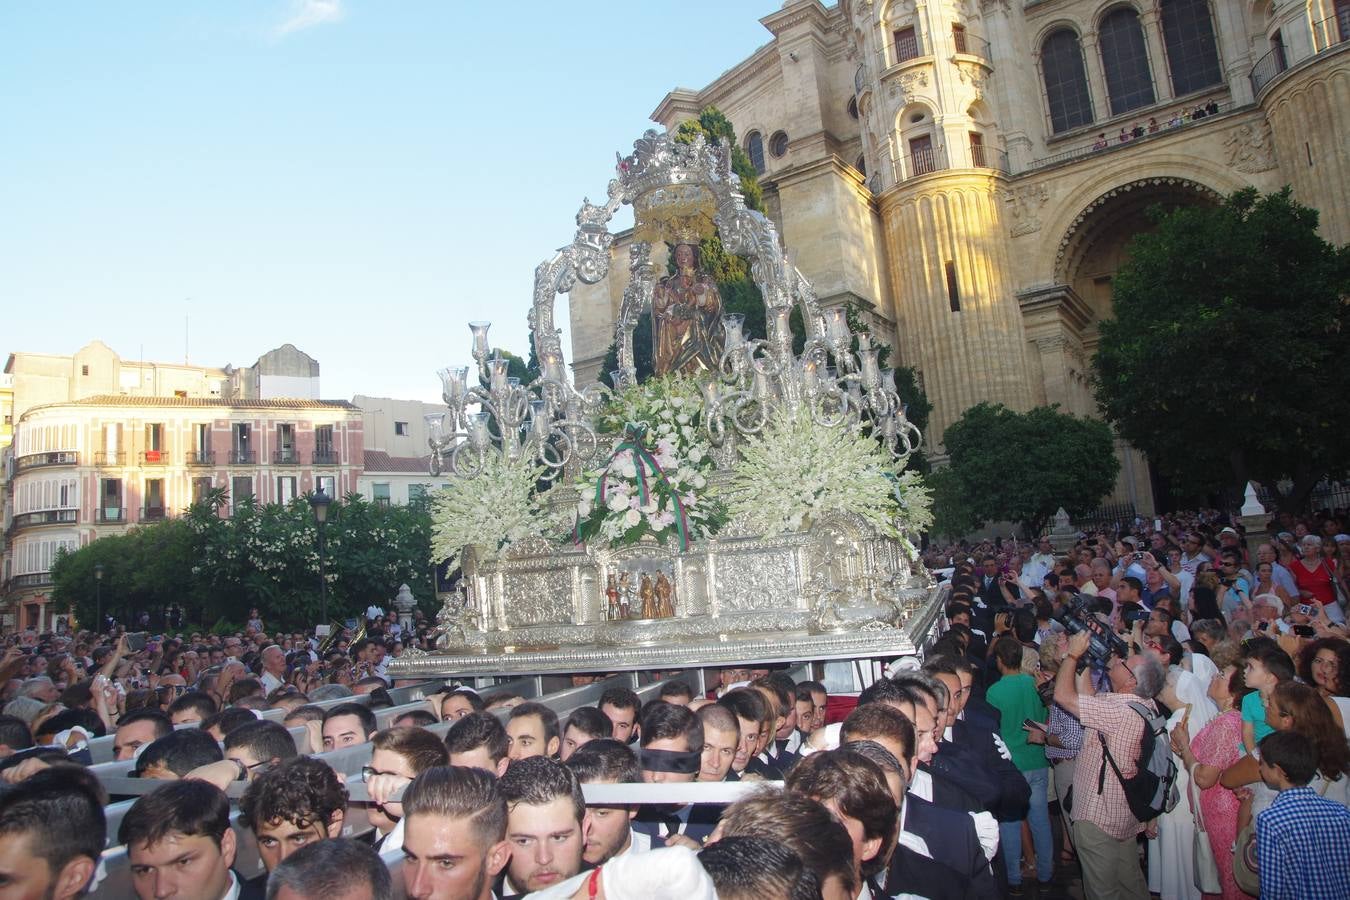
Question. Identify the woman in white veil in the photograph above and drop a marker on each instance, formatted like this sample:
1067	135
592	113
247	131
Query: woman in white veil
1171	872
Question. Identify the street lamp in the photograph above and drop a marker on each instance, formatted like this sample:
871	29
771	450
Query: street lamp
319	501
98	597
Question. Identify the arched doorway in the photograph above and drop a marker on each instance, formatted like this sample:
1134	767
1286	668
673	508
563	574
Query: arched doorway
1097	242
1091	251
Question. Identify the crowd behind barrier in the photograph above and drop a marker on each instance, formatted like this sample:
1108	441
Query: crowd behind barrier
1082	703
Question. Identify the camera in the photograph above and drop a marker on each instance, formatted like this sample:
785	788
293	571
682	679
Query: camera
1078	617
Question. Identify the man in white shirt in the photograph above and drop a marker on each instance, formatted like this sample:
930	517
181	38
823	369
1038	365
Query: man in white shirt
609	829
1041	562
274	668
180	844
545	824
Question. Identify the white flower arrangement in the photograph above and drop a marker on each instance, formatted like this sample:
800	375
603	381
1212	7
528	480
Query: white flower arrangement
797	470
490	511
645	491
670	407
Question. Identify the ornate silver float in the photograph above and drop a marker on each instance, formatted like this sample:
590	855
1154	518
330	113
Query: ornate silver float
835	588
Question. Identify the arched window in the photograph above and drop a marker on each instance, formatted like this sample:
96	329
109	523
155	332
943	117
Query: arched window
1188	34
1125	61
754	148
1066	86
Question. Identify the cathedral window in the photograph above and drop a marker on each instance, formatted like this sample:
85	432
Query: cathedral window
754	148
1129	83
1188	35
1066	87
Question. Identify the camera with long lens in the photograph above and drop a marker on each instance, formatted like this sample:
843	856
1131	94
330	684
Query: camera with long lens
1104	643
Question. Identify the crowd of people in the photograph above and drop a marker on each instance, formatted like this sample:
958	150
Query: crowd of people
1152	709
1177	119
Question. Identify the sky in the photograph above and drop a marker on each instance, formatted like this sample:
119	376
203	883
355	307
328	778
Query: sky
359	178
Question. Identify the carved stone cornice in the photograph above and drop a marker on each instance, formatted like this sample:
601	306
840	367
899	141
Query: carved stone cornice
802	12
1059	301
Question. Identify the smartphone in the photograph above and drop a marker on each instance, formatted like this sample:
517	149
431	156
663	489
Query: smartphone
1304	609
136	641
1137	616
1305	631
1032	723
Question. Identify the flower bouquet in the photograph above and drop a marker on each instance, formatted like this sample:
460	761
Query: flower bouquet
491	510
797	470
645	490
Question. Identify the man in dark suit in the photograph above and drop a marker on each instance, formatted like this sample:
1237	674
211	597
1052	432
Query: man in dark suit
939	853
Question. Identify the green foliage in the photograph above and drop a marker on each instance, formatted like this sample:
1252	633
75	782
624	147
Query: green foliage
1225	361
263	556
1021	467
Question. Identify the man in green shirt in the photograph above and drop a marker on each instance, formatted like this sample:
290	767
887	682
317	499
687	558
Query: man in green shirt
1015	697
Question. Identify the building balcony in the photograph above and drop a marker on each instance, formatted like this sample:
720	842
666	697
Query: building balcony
970	45
285	457
984	157
31	580
44	517
153	514
111	516
43	460
1188	112
154	458
200	458
325	458
110	459
243	458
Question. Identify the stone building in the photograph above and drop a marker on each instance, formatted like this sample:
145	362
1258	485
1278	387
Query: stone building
971	171
102	444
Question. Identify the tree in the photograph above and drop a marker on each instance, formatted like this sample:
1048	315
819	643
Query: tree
1022	467
261	555
1225	360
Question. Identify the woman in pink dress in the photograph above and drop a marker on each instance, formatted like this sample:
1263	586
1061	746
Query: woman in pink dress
1218	745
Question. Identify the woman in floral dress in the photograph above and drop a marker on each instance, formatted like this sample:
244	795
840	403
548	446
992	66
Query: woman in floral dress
1217	746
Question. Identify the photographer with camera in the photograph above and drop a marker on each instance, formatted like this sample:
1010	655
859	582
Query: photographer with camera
1119	743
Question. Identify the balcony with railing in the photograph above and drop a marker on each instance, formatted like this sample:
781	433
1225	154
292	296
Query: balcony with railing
1186	114
1327	34
287	457
108	459
31	580
243	458
154	513
42	460
200	458
986	157
111	515
325	457
968	44
924	161
154	458
44	517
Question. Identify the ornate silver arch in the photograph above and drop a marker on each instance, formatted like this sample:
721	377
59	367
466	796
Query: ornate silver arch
674	188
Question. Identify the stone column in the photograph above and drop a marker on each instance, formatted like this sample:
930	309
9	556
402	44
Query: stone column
1096	78
1254	520
1151	22
404	604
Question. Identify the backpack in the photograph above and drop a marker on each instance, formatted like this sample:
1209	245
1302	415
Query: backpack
1152	789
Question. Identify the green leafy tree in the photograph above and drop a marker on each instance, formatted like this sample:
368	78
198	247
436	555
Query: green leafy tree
217	567
1022	467
1226	358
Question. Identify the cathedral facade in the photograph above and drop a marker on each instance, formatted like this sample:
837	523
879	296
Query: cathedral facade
971	172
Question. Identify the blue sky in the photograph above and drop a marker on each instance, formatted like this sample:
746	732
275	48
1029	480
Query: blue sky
357	177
